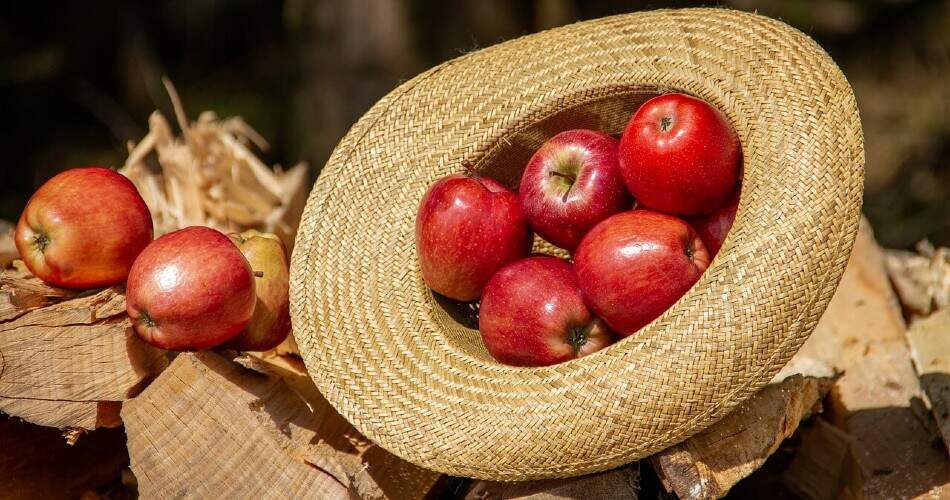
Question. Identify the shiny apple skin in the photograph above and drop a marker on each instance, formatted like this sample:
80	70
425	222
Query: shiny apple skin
466	229
570	184
679	155
93	223
270	324
531	309
635	265
714	227
189	290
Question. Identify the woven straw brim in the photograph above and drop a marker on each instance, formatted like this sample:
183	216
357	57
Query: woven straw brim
401	367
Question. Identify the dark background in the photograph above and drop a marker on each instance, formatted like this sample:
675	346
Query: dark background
79	79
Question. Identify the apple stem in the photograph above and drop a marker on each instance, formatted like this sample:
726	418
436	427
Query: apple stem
578	336
690	250
259	274
666	123
41	241
470	169
146	319
570	179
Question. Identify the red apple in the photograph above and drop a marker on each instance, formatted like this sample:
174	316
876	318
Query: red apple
270	324
635	265
467	228
680	155
83	229
189	290
570	184
533	314
714	227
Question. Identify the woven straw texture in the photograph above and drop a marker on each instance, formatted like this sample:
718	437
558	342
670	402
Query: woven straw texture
407	371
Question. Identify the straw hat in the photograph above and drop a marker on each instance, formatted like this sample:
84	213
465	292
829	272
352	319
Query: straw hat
412	374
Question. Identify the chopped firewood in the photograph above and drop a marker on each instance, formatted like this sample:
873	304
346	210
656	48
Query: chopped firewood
708	464
209	176
929	340
878	398
617	484
208	427
374	471
921	280
823	467
67	358
35	462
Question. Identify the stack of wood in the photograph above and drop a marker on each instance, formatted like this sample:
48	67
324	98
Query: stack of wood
88	409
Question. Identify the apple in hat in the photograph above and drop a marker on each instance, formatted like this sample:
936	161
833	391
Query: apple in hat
634	265
468	227
714	227
679	155
533	314
570	184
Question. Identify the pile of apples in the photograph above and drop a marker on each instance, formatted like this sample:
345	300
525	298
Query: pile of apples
188	290
642	218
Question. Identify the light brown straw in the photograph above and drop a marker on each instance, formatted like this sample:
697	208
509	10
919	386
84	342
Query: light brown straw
396	363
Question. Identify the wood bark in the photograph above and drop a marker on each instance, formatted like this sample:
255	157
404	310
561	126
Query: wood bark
710	463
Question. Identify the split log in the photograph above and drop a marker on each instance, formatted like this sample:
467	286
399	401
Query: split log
823	467
617	484
929	340
35	462
373	470
710	463
209	427
878	400
68	358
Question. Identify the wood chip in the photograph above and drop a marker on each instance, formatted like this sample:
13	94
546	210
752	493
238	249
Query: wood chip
921	280
8	251
929	340
824	467
210	176
710	463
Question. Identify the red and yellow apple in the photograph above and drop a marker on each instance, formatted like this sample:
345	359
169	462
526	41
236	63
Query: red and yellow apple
189	290
533	314
270	324
570	184
468	227
679	155
83	229
634	265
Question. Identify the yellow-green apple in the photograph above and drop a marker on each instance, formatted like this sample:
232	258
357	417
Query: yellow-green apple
468	227
270	324
714	227
533	314
189	290
679	155
83	229
634	265
570	184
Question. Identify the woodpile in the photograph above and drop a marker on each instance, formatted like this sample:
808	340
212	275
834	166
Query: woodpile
90	410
